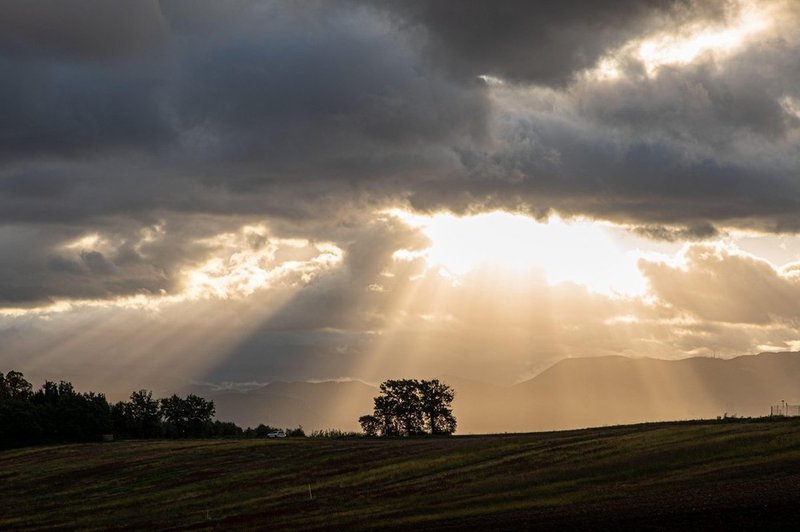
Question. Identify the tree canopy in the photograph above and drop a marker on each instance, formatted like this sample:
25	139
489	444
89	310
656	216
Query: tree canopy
187	417
55	412
58	413
411	407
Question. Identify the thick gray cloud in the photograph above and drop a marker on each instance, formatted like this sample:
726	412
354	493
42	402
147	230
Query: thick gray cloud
80	29
313	115
544	42
677	234
62	109
712	142
272	95
49	263
342	101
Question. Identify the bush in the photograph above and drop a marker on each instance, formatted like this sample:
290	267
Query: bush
335	433
296	433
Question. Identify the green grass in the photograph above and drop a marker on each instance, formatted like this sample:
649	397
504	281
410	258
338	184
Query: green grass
606	474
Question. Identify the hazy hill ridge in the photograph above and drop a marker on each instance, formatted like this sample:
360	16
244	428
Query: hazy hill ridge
574	392
314	405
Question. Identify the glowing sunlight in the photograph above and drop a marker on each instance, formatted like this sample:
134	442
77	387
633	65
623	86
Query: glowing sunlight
684	47
581	251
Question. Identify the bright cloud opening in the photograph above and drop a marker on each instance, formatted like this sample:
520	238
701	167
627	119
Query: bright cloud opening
685	46
251	259
581	252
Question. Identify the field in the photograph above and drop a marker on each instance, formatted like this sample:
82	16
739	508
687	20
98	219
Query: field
668	475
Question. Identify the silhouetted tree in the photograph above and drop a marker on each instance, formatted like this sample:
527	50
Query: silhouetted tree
19	418
67	415
409	407
19	423
121	423
14	386
436	400
186	417
138	418
371	425
145	413
225	429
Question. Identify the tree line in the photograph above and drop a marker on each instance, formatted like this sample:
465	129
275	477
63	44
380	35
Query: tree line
58	413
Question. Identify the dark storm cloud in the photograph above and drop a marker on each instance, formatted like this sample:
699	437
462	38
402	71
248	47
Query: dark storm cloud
543	42
557	166
80	29
343	101
714	105
697	145
678	234
268	94
53	109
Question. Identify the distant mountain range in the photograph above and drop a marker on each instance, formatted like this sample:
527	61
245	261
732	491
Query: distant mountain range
575	392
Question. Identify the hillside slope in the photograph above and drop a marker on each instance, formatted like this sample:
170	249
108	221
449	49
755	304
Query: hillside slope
585	392
613	390
710	475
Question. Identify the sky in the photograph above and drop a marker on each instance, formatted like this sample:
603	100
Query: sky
203	193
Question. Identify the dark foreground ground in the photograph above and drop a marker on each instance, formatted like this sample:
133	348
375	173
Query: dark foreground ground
699	475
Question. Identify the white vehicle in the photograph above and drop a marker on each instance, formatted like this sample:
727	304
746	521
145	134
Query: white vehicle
276	434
